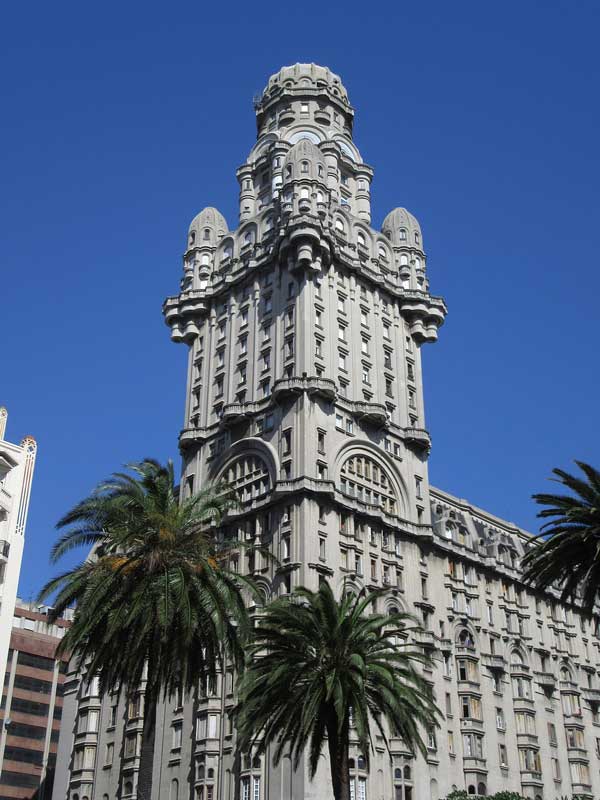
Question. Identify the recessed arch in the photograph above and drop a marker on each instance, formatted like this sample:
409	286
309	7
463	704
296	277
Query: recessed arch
362	448
250	447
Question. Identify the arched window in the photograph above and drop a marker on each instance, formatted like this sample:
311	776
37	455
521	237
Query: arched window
360	238
128	787
320	170
248	237
382	252
249	476
481	790
407	774
206	235
304	166
174	794
516	657
417	238
268	223
320	198
351	763
227	250
304	193
417	263
192	238
205	259
465	639
339	225
361	763
402	234
471	789
565	673
404	260
367	481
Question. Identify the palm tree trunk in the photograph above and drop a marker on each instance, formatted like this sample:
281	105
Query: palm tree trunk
144	784
338	762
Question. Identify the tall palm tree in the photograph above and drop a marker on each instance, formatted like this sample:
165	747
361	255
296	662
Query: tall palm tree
154	600
317	663
566	552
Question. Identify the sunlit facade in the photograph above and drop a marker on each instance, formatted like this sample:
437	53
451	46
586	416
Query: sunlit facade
304	326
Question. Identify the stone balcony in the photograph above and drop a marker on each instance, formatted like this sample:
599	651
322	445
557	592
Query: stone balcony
323	387
547	679
591	695
529	777
370	412
492	661
418	438
189	436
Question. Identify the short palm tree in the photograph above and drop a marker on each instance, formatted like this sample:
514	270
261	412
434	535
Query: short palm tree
153	600
566	552
317	663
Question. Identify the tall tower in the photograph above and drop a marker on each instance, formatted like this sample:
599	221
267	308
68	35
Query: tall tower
304	327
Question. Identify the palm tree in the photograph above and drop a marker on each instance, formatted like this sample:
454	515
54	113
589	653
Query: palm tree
154	600
316	664
566	552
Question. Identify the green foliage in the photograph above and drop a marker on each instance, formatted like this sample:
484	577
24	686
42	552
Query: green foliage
566	552
314	662
155	590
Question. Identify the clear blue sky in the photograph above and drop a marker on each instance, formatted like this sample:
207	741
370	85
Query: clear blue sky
121	121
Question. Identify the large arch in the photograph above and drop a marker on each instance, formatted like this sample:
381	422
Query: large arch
385	463
252	447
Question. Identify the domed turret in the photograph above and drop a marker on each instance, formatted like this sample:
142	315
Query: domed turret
304	95
310	76
402	229
207	228
304	161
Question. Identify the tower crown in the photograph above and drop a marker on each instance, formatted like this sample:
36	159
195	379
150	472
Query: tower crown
302	90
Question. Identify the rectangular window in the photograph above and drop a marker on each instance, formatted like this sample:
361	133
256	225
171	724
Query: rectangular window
552	734
321	441
130	749
177	731
349	426
341	360
500	721
322	553
339	422
108	754
366	375
386	330
364	346
418	485
503	757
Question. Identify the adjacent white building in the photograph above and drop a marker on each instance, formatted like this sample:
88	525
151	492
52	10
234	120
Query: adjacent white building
17	462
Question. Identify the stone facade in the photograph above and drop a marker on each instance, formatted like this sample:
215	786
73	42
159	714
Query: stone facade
304	327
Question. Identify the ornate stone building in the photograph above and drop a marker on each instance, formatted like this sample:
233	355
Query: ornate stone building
304	327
